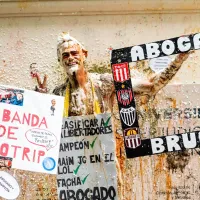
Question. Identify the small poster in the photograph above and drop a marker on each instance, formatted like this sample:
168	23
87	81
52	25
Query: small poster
30	124
86	165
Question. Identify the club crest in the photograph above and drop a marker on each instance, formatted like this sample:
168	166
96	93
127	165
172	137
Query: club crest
125	96
128	115
132	138
120	72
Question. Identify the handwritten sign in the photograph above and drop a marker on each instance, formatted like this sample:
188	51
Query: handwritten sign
86	165
9	188
29	133
42	138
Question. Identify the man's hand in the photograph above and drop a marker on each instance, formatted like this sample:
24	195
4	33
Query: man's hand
42	86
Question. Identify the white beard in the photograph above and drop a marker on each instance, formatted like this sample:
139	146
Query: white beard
72	69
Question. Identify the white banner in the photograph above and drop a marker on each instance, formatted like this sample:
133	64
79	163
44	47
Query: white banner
30	124
86	165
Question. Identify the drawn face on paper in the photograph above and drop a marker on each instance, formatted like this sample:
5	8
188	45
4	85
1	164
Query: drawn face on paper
53	102
71	57
19	96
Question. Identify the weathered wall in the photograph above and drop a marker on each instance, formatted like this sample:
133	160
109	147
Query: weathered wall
26	40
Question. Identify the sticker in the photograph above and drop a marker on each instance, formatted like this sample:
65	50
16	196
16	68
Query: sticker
5	162
49	164
9	188
11	96
132	138
159	64
125	96
121	72
128	115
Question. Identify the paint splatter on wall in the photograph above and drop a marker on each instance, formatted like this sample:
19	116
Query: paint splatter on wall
33	40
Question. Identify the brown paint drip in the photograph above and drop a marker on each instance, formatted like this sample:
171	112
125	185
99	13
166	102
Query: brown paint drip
24	182
168	184
173	103
157	170
81	77
120	153
141	174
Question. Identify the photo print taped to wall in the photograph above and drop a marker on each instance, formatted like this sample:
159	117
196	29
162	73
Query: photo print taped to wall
120	60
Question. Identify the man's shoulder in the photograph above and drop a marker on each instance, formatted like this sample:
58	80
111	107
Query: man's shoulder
101	78
59	90
102	82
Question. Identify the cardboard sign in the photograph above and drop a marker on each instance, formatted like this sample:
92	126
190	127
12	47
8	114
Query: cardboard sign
156	49
86	165
29	130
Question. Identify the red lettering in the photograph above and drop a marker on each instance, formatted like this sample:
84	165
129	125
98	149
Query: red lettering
26	118
36	118
15	150
34	155
25	152
40	153
43	122
4	149
6	115
16	118
3	131
11	133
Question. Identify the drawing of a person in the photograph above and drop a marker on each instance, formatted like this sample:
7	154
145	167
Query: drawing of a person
52	108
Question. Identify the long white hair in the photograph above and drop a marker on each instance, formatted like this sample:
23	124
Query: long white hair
68	40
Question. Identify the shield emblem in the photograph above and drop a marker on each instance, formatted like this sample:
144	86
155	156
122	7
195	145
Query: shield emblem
120	72
128	115
125	96
132	138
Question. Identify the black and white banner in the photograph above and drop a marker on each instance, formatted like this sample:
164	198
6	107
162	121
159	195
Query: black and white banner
164	144
156	49
127	106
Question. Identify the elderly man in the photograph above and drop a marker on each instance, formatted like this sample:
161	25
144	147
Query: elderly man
84	93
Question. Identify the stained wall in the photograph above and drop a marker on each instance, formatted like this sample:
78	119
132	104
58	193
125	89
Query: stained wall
26	39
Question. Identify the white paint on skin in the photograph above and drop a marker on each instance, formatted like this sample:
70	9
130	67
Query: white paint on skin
78	101
70	70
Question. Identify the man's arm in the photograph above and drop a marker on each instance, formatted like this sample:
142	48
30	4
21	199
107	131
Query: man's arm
161	79
149	86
